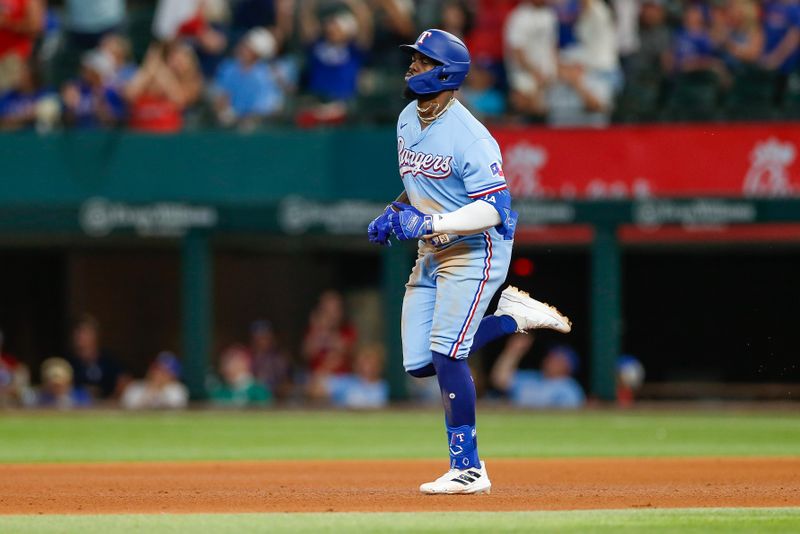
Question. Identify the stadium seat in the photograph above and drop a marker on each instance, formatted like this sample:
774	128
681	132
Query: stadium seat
791	98
693	96
638	101
752	95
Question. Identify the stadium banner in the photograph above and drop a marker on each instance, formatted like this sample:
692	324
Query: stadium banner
707	160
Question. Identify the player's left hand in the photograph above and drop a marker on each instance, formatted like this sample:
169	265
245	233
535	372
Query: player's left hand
410	223
380	228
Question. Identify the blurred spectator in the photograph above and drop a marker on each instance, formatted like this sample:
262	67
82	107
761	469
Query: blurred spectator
161	388
365	388
271	365
741	38
567	12
330	339
57	390
531	39
94	368
252	86
692	47
239	387
21	21
92	100
189	21
28	104
480	93
485	37
336	49
630	378
178	18
87	21
781	35
552	387
118	49
14	378
168	82
654	41
457	17
394	25
588	72
626	19
275	15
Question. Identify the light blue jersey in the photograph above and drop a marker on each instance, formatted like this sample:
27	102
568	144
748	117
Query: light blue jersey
451	163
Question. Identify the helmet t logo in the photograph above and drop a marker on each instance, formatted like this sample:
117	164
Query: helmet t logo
423	36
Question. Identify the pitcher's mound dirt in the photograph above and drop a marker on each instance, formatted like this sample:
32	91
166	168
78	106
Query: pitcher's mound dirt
392	486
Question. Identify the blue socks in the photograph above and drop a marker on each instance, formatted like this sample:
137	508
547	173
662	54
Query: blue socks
458	395
491	328
458	391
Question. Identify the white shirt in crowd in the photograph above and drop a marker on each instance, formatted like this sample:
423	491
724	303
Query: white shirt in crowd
171	15
138	396
627	16
597	40
534	31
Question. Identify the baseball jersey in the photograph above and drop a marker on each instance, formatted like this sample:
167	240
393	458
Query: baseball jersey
449	164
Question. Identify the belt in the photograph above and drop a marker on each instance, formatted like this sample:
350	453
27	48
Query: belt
442	240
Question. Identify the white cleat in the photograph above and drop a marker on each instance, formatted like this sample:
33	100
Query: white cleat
469	481
529	313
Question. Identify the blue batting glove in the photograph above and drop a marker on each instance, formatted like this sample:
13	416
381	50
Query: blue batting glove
380	228
409	222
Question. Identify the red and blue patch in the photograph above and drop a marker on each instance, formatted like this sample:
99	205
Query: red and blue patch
497	170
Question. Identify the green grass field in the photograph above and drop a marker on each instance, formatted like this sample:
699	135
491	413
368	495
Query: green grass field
114	436
705	521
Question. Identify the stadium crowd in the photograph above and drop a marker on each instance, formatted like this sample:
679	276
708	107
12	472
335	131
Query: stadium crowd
170	65
332	365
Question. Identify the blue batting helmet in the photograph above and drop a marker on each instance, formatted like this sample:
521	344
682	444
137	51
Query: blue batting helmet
447	49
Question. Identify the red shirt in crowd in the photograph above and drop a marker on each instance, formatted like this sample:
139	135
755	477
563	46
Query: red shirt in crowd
321	359
12	42
158	114
485	41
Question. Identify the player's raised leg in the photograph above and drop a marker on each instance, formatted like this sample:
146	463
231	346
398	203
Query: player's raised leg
517	311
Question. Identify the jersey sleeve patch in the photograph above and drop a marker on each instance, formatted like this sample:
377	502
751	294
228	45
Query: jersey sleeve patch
497	170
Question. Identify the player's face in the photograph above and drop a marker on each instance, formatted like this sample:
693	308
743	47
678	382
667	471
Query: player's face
419	64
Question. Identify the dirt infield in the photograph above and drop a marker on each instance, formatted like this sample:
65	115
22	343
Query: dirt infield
392	486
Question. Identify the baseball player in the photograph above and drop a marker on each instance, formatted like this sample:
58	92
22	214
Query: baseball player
457	205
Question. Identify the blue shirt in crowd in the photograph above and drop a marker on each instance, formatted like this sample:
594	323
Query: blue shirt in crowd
333	70
254	90
351	391
567	12
691	46
531	389
779	17
86	114
17	104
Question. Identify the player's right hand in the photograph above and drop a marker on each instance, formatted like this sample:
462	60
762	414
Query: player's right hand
380	228
410	223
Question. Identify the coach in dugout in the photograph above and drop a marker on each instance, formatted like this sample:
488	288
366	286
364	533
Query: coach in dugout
94	367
